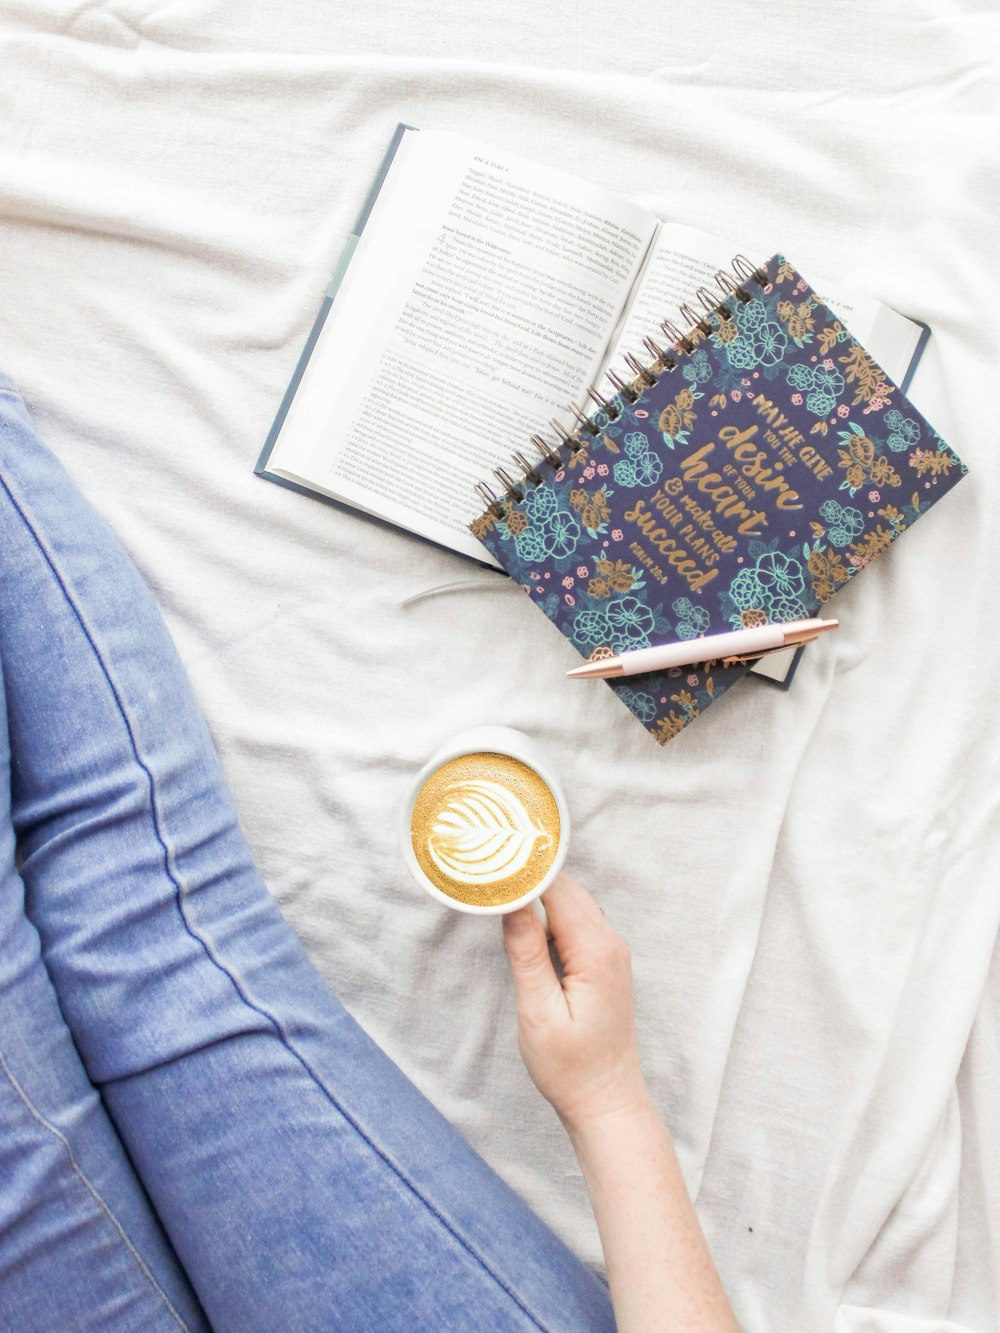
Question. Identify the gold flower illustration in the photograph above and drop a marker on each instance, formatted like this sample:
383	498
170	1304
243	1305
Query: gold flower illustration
668	727
828	571
861	371
884	474
596	511
678	415
857	459
485	523
517	521
622	579
871	544
933	464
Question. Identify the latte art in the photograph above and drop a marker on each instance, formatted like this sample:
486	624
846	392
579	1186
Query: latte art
485	829
483	833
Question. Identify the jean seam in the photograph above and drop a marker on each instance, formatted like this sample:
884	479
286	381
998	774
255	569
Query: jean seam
204	943
88	1184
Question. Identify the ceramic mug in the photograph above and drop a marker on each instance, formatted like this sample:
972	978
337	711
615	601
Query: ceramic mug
487	740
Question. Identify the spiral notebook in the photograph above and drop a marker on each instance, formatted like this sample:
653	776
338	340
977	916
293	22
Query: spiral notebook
754	464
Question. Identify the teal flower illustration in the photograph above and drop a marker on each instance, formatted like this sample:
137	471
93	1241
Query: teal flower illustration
643	705
641	467
829	380
770	345
747	592
845	522
820	404
561	535
540	504
780	575
630	622
761	341
801	377
530	545
698	368
822	385
904	431
691	620
775	585
590	628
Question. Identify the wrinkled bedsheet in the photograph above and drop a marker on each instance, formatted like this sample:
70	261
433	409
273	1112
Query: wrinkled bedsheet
808	881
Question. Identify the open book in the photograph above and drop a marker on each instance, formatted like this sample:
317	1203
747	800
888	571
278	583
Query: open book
479	297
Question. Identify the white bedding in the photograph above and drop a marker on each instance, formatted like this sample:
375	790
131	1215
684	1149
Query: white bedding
808	881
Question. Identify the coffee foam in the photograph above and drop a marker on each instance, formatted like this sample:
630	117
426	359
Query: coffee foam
485	829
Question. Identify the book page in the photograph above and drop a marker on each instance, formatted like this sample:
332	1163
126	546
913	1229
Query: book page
476	307
682	259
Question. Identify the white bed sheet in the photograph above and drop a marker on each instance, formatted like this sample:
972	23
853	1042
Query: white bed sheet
808	882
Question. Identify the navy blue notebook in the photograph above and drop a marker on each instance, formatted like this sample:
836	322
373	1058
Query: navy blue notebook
750	471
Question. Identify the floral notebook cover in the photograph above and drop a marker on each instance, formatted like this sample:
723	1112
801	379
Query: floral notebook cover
746	486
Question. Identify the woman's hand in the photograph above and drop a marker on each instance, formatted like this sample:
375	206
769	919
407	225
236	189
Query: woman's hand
577	1038
577	1035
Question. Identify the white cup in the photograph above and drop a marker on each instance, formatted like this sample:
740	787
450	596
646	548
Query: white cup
487	740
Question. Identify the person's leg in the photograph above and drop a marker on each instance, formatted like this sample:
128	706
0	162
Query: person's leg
303	1181
80	1245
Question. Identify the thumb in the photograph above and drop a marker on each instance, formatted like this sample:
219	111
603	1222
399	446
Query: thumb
535	979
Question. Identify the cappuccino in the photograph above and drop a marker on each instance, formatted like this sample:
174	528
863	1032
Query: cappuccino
485	829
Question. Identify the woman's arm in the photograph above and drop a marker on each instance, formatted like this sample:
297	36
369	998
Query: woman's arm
577	1037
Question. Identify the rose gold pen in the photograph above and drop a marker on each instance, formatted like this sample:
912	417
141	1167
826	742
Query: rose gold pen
741	645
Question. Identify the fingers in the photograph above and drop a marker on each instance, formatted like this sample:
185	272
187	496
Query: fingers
535	980
577	924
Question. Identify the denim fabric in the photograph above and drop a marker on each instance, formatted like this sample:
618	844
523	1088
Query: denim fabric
183	1103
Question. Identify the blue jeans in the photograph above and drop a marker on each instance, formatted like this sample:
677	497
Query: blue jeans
193	1132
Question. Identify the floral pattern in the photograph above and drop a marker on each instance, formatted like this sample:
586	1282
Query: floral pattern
821	385
774	585
641	466
761	340
691	620
863	461
845	523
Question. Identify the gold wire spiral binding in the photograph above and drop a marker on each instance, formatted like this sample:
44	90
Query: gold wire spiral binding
622	386
528	469
585	422
511	488
491	504
733	289
678	340
602	404
549	454
641	372
713	306
696	321
660	358
744	269
664	361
